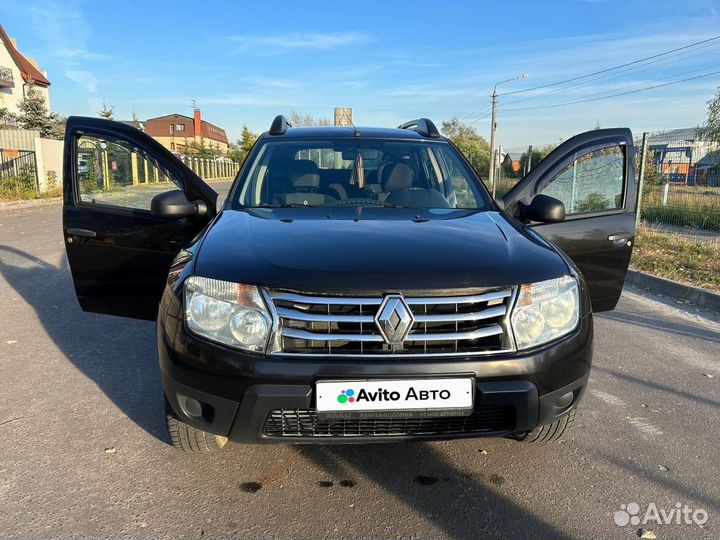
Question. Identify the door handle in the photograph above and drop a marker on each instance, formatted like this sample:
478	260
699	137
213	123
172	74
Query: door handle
81	232
619	239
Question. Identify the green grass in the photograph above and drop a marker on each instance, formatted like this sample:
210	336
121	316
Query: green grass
694	206
697	217
673	257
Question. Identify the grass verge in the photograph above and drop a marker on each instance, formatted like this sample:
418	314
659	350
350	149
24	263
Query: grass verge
672	257
10	194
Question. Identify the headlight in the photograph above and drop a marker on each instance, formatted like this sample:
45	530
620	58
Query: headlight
545	311
229	313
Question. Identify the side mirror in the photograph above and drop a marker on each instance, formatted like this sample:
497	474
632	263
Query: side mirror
174	204
544	209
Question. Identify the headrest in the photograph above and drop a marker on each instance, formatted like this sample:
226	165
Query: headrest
306	181
303	166
396	176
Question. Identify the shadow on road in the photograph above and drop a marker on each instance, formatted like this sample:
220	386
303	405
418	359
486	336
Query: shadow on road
466	505
668	484
693	331
119	355
663	389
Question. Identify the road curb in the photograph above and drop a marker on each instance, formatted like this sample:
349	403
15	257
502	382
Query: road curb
6	205
697	295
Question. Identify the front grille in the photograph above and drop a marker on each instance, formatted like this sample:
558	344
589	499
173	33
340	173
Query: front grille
305	423
345	326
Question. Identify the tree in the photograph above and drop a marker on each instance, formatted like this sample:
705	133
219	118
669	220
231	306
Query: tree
475	148
201	149
34	115
134	121
712	126
297	119
239	150
651	176
6	117
537	155
106	112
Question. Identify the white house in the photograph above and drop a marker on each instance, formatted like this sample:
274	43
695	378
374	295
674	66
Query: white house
17	73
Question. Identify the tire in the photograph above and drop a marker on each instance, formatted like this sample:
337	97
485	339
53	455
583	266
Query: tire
189	439
547	433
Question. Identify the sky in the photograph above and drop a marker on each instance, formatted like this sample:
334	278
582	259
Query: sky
391	61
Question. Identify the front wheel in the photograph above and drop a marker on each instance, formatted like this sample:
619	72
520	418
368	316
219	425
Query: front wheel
187	438
551	432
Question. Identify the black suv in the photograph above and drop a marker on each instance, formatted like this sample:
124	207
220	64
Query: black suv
357	284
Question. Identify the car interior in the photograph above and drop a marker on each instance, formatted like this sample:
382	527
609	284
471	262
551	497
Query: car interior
397	174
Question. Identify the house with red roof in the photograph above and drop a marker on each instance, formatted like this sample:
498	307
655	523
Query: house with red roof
17	74
176	131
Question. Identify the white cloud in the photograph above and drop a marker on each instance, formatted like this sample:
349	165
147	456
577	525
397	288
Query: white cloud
84	78
275	43
63	27
81	53
267	82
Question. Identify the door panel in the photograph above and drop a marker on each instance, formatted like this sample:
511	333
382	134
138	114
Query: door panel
119	253
594	175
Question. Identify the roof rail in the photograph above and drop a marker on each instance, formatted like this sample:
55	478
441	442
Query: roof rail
423	126
279	125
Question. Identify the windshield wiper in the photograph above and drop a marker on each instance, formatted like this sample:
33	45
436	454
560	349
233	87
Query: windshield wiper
292	205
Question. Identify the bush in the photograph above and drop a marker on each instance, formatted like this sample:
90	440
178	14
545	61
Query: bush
22	186
594	202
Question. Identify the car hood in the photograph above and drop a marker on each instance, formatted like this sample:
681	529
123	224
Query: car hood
374	249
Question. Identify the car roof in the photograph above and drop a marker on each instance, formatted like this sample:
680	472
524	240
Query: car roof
338	132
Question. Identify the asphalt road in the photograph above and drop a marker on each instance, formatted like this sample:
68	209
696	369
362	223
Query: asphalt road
84	454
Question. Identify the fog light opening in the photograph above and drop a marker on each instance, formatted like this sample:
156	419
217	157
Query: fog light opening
564	401
196	410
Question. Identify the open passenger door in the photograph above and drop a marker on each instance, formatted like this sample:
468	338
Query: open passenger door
129	207
593	175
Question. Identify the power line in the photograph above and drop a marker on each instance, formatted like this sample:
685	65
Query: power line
614	67
623	73
631	86
481	113
472	110
554	105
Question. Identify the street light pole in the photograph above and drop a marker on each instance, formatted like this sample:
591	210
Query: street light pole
493	127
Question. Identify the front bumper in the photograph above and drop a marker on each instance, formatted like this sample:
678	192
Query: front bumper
240	392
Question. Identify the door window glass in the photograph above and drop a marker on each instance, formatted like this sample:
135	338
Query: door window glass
114	172
593	182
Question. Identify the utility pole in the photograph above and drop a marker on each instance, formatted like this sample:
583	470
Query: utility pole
493	127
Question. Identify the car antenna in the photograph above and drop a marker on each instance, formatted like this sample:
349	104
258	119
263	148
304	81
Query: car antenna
357	133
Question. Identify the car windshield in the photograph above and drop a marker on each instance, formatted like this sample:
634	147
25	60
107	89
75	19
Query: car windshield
357	172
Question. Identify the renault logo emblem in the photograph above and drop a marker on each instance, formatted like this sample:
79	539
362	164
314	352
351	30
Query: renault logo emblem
394	319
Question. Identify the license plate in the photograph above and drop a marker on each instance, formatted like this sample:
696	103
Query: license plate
452	394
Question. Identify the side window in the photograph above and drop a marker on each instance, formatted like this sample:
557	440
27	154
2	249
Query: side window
593	182
113	172
462	191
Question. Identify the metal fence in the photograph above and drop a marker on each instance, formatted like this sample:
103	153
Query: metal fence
212	169
679	172
18	167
